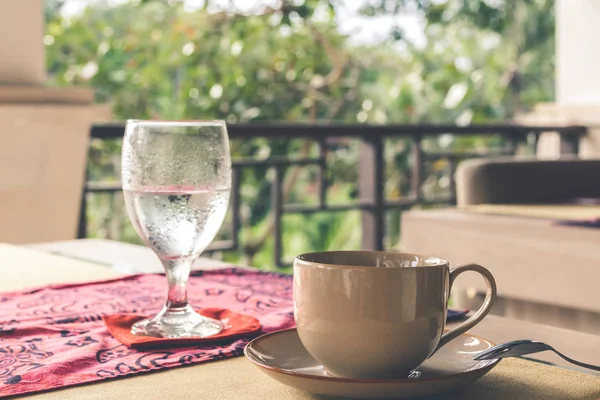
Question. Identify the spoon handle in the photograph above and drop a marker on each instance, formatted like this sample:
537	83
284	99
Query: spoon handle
581	364
518	348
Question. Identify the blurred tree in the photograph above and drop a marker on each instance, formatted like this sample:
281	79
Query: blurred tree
163	61
52	8
520	34
160	59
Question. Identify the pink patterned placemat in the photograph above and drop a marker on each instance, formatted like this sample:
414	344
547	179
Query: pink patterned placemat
54	336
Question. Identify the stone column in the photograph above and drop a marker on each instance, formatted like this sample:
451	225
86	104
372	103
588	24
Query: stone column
578	67
577	77
21	46
577	52
43	134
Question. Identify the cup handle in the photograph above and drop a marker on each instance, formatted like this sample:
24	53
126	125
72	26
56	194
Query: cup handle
490	297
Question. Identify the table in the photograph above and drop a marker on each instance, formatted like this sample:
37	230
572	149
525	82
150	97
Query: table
545	273
175	383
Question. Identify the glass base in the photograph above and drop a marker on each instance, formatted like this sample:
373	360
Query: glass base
177	323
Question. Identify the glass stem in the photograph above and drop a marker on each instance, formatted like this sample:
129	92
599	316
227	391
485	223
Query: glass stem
177	272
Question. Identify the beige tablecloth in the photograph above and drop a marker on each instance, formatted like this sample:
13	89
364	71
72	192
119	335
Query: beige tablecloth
237	379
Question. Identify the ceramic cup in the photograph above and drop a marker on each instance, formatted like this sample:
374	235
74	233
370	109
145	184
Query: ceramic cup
371	314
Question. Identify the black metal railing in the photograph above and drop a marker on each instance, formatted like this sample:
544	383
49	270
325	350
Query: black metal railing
372	201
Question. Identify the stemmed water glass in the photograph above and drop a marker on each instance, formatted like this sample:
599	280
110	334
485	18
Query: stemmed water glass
176	183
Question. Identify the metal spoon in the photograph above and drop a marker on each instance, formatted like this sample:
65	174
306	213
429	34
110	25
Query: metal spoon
521	347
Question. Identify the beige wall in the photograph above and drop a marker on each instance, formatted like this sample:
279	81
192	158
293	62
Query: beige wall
22	53
43	150
43	134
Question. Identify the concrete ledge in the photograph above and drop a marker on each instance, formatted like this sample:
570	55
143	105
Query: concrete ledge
43	152
45	95
534	261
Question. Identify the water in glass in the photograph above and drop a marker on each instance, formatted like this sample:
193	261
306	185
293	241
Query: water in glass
176	184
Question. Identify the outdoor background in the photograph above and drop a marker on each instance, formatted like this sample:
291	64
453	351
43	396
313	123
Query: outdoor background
303	61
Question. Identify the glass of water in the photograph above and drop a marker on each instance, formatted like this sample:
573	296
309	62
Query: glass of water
176	182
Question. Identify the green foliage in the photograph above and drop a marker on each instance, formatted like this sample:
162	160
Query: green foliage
157	59
509	43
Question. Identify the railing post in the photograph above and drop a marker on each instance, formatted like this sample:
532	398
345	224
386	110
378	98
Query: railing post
82	226
513	142
371	190
536	140
569	144
83	222
452	163
417	167
236	201
322	178
277	199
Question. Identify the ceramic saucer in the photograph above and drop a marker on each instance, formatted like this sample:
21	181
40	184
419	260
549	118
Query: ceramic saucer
282	356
